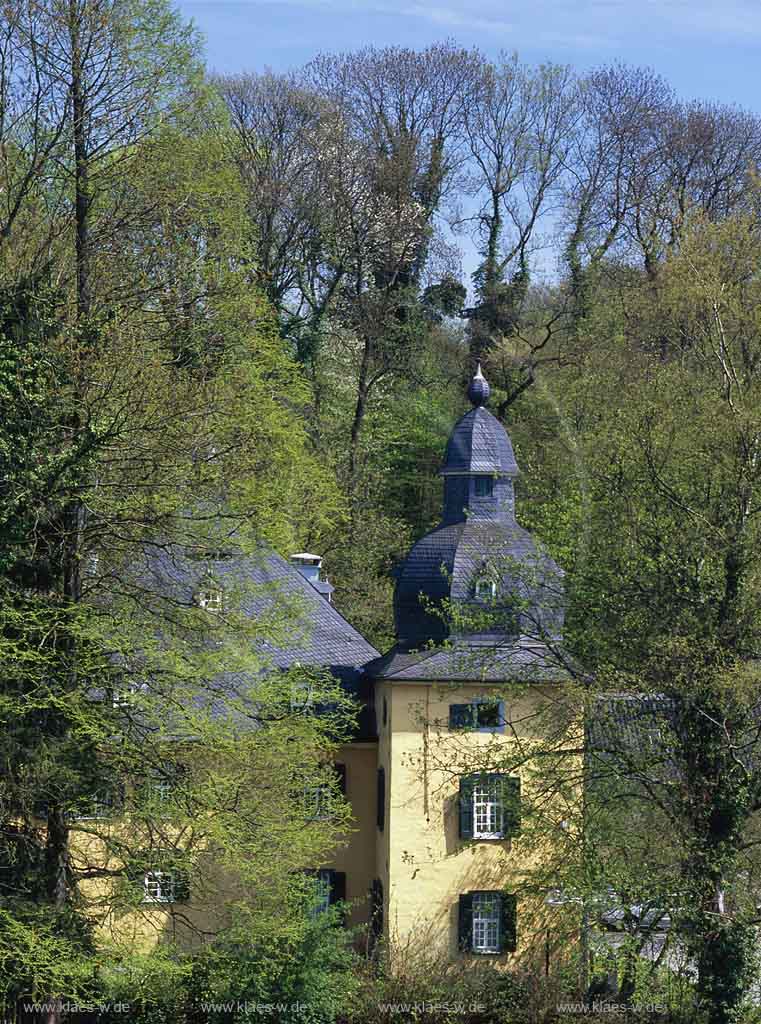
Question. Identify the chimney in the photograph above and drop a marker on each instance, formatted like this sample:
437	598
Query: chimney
309	566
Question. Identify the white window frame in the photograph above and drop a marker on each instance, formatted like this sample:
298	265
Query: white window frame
324	892
101	805
124	696
159	886
487	805
490	585
210	599
317	802
162	789
302	697
486	923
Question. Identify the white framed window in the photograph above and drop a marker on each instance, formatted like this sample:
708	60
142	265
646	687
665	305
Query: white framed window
99	805
485	589
324	891
317	802
210	599
488	814
301	697
159	887
486	923
125	695
162	789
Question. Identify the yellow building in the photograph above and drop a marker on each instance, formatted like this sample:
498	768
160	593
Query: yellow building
438	844
437	854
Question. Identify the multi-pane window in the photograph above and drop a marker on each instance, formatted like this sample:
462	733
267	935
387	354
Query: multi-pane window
317	802
486	923
159	887
210	599
487	810
485	589
100	804
127	694
488	715
490	806
329	889
483	486
324	889
162	789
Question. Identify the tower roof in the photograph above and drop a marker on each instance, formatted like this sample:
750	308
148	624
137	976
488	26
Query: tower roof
479	444
479	568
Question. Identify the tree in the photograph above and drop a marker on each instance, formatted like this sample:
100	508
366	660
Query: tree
155	426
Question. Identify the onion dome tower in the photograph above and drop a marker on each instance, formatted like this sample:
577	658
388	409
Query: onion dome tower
478	577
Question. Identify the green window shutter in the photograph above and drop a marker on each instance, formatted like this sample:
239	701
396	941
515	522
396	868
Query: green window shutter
501	714
508	922
460	716
134	872
465	923
337	887
381	798
181	885
510	798
467	785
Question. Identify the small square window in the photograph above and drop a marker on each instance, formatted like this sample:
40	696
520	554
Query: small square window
487	715
159	887
485	589
210	599
483	486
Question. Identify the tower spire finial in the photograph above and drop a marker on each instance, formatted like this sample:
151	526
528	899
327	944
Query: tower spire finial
478	389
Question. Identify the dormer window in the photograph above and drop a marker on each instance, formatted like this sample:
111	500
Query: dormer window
210	599
483	486
485	589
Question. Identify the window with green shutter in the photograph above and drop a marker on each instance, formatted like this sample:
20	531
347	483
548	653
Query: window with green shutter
487	922
330	888
489	806
479	715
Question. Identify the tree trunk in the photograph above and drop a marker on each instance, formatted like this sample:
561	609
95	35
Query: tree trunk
81	165
359	409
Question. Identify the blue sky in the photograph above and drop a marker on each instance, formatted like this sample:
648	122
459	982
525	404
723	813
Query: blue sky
706	48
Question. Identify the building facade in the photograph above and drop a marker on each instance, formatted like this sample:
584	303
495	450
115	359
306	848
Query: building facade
478	615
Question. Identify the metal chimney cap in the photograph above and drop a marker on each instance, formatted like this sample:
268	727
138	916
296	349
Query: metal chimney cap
307	558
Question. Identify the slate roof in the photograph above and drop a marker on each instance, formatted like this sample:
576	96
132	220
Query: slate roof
478	538
444	564
479	444
520	660
306	629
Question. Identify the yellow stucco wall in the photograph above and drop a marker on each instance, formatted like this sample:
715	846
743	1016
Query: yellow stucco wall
357	857
419	858
429	866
